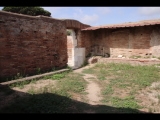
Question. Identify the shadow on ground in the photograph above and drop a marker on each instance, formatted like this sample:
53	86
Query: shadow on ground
50	103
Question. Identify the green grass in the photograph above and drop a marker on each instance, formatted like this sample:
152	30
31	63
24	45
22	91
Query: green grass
111	77
20	84
50	99
128	102
137	75
108	90
65	84
123	77
73	82
56	76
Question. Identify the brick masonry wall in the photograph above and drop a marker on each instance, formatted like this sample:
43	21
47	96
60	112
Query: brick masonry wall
137	41
28	43
86	41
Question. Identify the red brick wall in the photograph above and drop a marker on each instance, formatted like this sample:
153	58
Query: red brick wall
28	43
86	41
136	41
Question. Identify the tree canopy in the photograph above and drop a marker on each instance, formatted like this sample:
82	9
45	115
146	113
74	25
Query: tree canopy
33	11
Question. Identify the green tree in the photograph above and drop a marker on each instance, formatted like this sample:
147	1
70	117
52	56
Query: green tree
33	11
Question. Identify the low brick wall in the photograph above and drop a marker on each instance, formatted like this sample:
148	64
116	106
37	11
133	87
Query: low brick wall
120	60
141	41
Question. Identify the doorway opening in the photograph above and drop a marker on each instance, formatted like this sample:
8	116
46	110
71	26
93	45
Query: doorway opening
76	55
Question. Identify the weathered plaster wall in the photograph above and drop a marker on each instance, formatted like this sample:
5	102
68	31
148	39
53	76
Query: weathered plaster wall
155	42
136	41
70	50
76	54
28	43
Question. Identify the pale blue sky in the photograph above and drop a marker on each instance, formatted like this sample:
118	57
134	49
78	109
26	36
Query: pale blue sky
95	16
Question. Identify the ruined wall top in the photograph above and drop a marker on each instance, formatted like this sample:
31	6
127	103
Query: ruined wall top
74	24
69	23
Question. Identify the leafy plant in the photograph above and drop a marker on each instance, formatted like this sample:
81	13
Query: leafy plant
68	32
33	11
58	76
38	70
18	76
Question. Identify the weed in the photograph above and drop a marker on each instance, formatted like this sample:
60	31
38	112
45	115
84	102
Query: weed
47	77
31	90
18	76
70	69
84	63
108	90
20	84
38	70
58	76
33	81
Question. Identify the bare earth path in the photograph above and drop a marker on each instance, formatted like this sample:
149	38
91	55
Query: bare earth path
93	89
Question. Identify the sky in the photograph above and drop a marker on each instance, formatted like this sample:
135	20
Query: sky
96	16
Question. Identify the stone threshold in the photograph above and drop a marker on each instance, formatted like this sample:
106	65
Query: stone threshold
129	59
33	77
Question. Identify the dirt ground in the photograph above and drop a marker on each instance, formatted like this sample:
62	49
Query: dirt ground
148	95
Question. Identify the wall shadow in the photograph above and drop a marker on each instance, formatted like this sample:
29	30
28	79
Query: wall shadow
51	103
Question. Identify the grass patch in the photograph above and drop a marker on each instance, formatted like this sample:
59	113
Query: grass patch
73	82
108	90
89	71
56	76
125	73
31	91
125	77
128	102
20	84
51	99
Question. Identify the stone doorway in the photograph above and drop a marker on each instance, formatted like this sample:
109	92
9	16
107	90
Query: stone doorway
76	55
